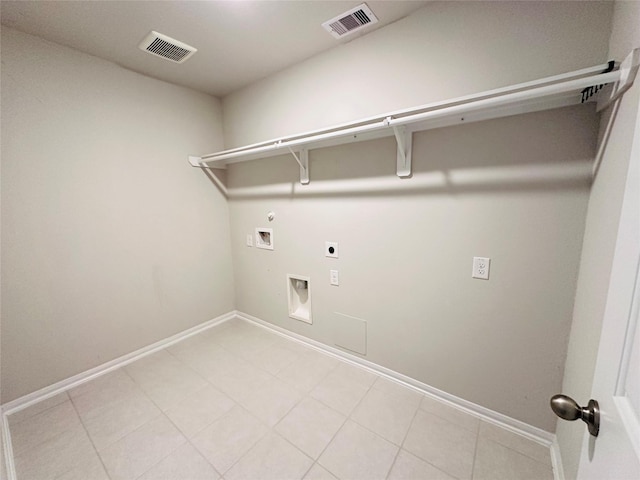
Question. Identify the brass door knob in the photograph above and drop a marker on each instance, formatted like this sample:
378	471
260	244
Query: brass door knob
568	409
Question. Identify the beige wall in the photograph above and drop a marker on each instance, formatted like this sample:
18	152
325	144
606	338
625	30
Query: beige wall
441	51
110	241
513	189
603	215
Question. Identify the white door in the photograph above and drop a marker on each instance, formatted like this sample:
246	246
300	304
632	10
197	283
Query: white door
615	453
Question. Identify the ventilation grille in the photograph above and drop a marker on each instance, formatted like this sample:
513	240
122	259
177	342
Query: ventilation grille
351	21
166	47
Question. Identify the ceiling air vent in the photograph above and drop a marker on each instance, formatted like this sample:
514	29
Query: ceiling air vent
166	47
351	21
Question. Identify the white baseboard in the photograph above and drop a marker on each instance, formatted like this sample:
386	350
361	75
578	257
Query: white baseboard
556	460
516	426
71	382
8	449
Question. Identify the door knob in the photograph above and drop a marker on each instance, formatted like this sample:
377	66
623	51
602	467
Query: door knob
568	409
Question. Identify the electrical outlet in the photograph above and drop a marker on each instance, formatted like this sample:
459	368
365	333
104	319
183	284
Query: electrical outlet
481	268
331	249
333	277
249	240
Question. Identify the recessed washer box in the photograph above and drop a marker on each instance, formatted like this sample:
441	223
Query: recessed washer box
299	296
264	238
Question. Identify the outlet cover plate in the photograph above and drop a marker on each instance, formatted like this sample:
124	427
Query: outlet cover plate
331	249
481	268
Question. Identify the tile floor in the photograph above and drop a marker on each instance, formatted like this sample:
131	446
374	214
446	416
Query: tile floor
238	402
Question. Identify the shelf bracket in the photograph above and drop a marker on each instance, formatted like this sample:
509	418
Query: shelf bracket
404	139
628	71
303	161
198	163
195	161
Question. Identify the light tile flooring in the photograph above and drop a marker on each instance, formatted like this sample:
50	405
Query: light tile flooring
239	402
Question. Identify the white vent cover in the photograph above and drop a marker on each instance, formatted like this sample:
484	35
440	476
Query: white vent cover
166	47
351	21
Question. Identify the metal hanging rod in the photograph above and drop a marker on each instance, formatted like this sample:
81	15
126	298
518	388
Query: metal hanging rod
543	94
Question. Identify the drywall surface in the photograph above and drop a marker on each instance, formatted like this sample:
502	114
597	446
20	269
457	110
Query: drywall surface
512	189
443	50
601	230
110	241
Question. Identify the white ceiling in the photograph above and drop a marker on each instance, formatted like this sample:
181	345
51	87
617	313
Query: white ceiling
238	42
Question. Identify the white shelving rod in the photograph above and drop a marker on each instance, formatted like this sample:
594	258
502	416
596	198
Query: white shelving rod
596	69
542	94
509	99
487	103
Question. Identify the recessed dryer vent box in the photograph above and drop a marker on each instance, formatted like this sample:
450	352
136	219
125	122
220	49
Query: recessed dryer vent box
331	249
264	238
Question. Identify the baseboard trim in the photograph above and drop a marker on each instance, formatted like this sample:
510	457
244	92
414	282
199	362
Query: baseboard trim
516	426
556	460
8	448
71	382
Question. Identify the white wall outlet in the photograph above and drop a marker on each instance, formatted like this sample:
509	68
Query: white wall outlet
331	249
481	268
334	278
249	240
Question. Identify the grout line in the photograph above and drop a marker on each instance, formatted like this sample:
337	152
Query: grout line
271	429
302	397
419	410
187	441
189	367
327	446
89	437
375	433
254	443
201	430
202	455
395	459
39	442
308	469
162	414
475	453
297	448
